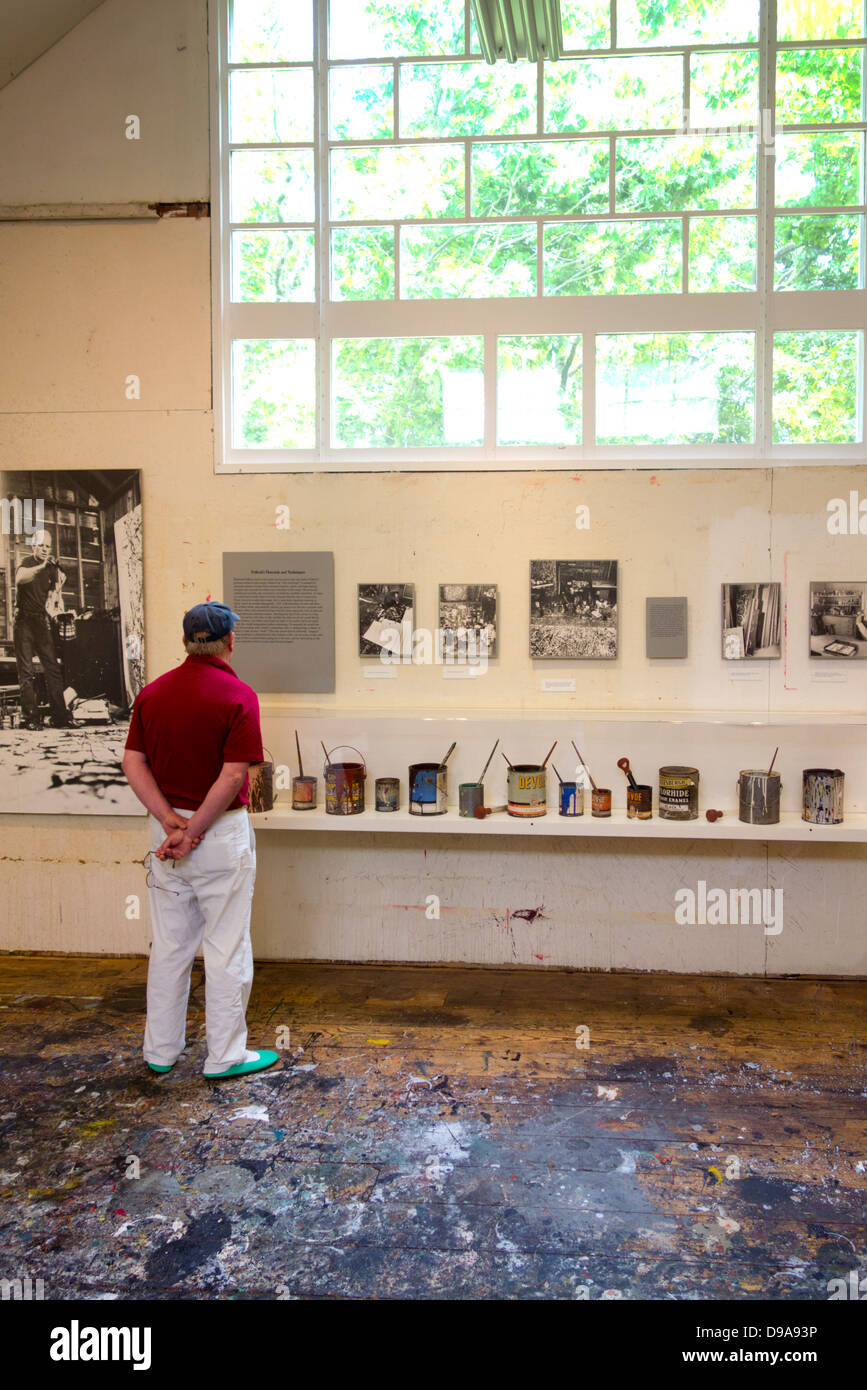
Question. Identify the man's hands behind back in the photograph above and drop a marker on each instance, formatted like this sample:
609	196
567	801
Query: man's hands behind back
178	841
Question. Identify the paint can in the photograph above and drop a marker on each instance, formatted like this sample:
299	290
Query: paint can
304	791
260	788
678	793
387	793
344	785
470	795
528	790
428	789
639	802
759	796
823	796
571	799
600	802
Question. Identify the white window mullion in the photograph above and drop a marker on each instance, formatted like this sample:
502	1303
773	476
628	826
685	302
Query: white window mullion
219	19
491	397
612	174
323	224
765	230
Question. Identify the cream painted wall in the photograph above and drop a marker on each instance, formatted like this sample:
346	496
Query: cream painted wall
62	121
27	30
86	304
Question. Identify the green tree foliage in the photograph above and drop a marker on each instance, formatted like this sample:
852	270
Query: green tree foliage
814	387
390	393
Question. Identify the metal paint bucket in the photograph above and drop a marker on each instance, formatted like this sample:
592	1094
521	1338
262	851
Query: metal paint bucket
678	793
304	790
261	788
387	793
823	796
600	802
571	799
759	796
528	790
639	802
344	785
470	795
428	789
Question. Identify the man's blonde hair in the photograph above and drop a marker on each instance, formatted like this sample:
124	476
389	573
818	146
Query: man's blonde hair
218	646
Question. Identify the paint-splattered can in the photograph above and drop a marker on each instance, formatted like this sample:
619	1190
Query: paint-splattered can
759	796
600	802
470	795
344	786
304	792
571	799
428	789
678	793
823	796
386	793
639	802
528	791
261	788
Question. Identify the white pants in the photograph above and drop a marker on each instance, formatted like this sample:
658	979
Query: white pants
202	901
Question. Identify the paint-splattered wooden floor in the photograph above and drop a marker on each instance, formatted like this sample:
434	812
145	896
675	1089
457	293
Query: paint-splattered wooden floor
437	1133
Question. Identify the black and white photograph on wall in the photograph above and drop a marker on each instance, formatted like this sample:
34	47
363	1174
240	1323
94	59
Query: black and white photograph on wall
751	622
468	621
385	620
573	609
838	621
71	638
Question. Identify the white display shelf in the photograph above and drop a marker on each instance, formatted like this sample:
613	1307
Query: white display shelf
538	714
617	826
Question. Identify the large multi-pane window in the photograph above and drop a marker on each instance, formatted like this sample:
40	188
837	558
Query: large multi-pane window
653	247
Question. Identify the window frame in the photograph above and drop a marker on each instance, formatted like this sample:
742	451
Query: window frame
762	312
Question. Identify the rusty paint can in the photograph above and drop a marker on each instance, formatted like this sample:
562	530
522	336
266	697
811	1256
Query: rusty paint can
678	793
639	802
344	786
387	793
470	795
428	789
261	788
304	790
823	796
759	796
528	790
600	802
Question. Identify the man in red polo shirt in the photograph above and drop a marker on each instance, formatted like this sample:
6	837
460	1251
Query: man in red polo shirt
193	734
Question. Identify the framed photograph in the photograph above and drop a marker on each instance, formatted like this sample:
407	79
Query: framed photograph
751	622
71	638
468	618
573	609
385	619
838	623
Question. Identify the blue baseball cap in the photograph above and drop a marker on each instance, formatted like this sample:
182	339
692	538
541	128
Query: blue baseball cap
215	619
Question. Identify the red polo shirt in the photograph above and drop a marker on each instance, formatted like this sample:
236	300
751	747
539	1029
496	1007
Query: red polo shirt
192	720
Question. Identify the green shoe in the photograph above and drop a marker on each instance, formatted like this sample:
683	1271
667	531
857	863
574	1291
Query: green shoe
153	1066
263	1060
